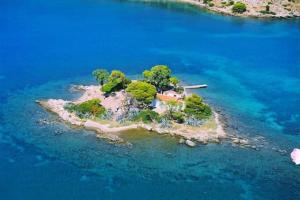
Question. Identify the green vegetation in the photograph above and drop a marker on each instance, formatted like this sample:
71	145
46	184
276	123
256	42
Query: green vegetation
87	109
143	92
159	76
116	81
193	111
174	111
239	7
147	116
178	117
211	4
173	106
101	75
174	81
206	1
194	106
230	3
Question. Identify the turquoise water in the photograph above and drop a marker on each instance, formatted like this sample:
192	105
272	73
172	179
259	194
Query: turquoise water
252	68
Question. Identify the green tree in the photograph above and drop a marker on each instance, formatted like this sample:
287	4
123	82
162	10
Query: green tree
116	81
239	7
159	76
101	75
174	81
143	92
194	106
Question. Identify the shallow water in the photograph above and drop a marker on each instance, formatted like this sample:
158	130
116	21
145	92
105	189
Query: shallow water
252	68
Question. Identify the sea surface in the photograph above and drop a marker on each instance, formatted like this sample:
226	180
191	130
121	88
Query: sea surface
252	68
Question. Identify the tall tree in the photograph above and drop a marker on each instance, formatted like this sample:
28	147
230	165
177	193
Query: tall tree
159	76
116	81
143	92
101	75
174	81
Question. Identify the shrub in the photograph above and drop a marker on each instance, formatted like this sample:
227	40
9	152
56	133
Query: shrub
194	106
87	109
173	106
211	4
147	116
230	3
239	7
178	117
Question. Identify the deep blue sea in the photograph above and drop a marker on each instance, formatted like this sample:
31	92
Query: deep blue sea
252	68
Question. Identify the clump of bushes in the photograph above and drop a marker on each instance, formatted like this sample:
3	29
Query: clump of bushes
177	116
211	4
239	7
87	109
147	116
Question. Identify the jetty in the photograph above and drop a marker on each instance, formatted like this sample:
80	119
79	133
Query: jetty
195	86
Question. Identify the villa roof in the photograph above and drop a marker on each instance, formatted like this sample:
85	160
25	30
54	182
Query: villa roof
163	97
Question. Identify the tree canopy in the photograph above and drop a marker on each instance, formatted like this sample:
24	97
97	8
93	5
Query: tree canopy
174	81
143	92
101	75
195	106
116	81
159	76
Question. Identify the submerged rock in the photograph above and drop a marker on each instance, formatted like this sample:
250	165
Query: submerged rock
190	143
295	155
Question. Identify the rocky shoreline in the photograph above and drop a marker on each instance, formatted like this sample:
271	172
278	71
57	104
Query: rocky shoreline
283	9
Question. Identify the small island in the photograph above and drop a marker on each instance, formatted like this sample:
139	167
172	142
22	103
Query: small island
158	102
